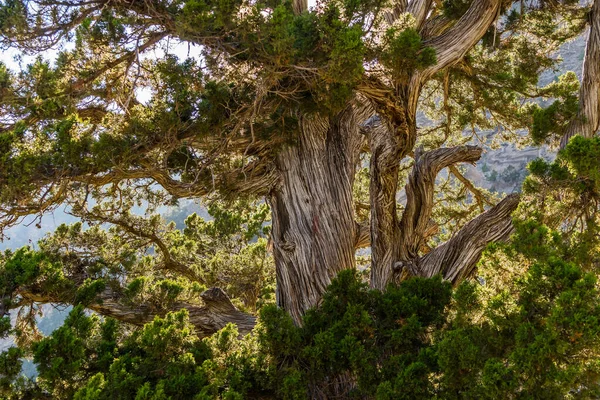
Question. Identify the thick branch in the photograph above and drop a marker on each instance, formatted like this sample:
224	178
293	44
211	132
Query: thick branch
456	259
389	144
587	121
419	9
217	311
419	194
453	44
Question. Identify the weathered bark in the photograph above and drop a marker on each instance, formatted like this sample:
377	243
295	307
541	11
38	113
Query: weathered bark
314	232
395	136
587	121
419	195
456	259
217	311
452	45
419	9
390	142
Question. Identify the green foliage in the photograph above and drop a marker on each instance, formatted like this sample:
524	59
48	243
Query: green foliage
377	338
404	52
566	192
10	369
455	9
536	336
77	129
531	344
554	118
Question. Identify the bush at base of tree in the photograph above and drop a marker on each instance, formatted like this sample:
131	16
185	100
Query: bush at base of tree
527	328
420	339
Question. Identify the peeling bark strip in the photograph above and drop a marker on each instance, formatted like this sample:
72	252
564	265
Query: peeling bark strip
456	259
587	121
217	311
314	233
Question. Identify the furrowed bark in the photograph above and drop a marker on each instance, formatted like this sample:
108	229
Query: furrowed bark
453	44
314	232
419	195
456	259
299	6
217	311
390	142
419	9
587	121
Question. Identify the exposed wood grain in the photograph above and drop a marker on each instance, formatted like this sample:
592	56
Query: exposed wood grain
587	121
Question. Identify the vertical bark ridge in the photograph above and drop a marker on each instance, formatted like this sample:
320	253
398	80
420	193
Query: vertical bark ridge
314	233
419	9
391	140
587	121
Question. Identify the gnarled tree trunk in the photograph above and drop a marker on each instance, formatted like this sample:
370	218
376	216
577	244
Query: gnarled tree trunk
314	232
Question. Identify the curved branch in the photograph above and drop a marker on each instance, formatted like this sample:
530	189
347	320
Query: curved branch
456	259
587	121
453	44
419	194
363	235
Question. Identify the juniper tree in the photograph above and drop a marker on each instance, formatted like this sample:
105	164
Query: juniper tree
303	107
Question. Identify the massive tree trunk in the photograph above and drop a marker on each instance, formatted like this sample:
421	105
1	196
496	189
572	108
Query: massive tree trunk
314	232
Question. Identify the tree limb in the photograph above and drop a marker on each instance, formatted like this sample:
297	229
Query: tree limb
453	44
363	235
419	194
479	197
419	9
216	312
456	259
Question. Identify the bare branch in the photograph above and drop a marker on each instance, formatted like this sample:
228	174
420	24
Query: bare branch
419	194
453	44
479	197
456	259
